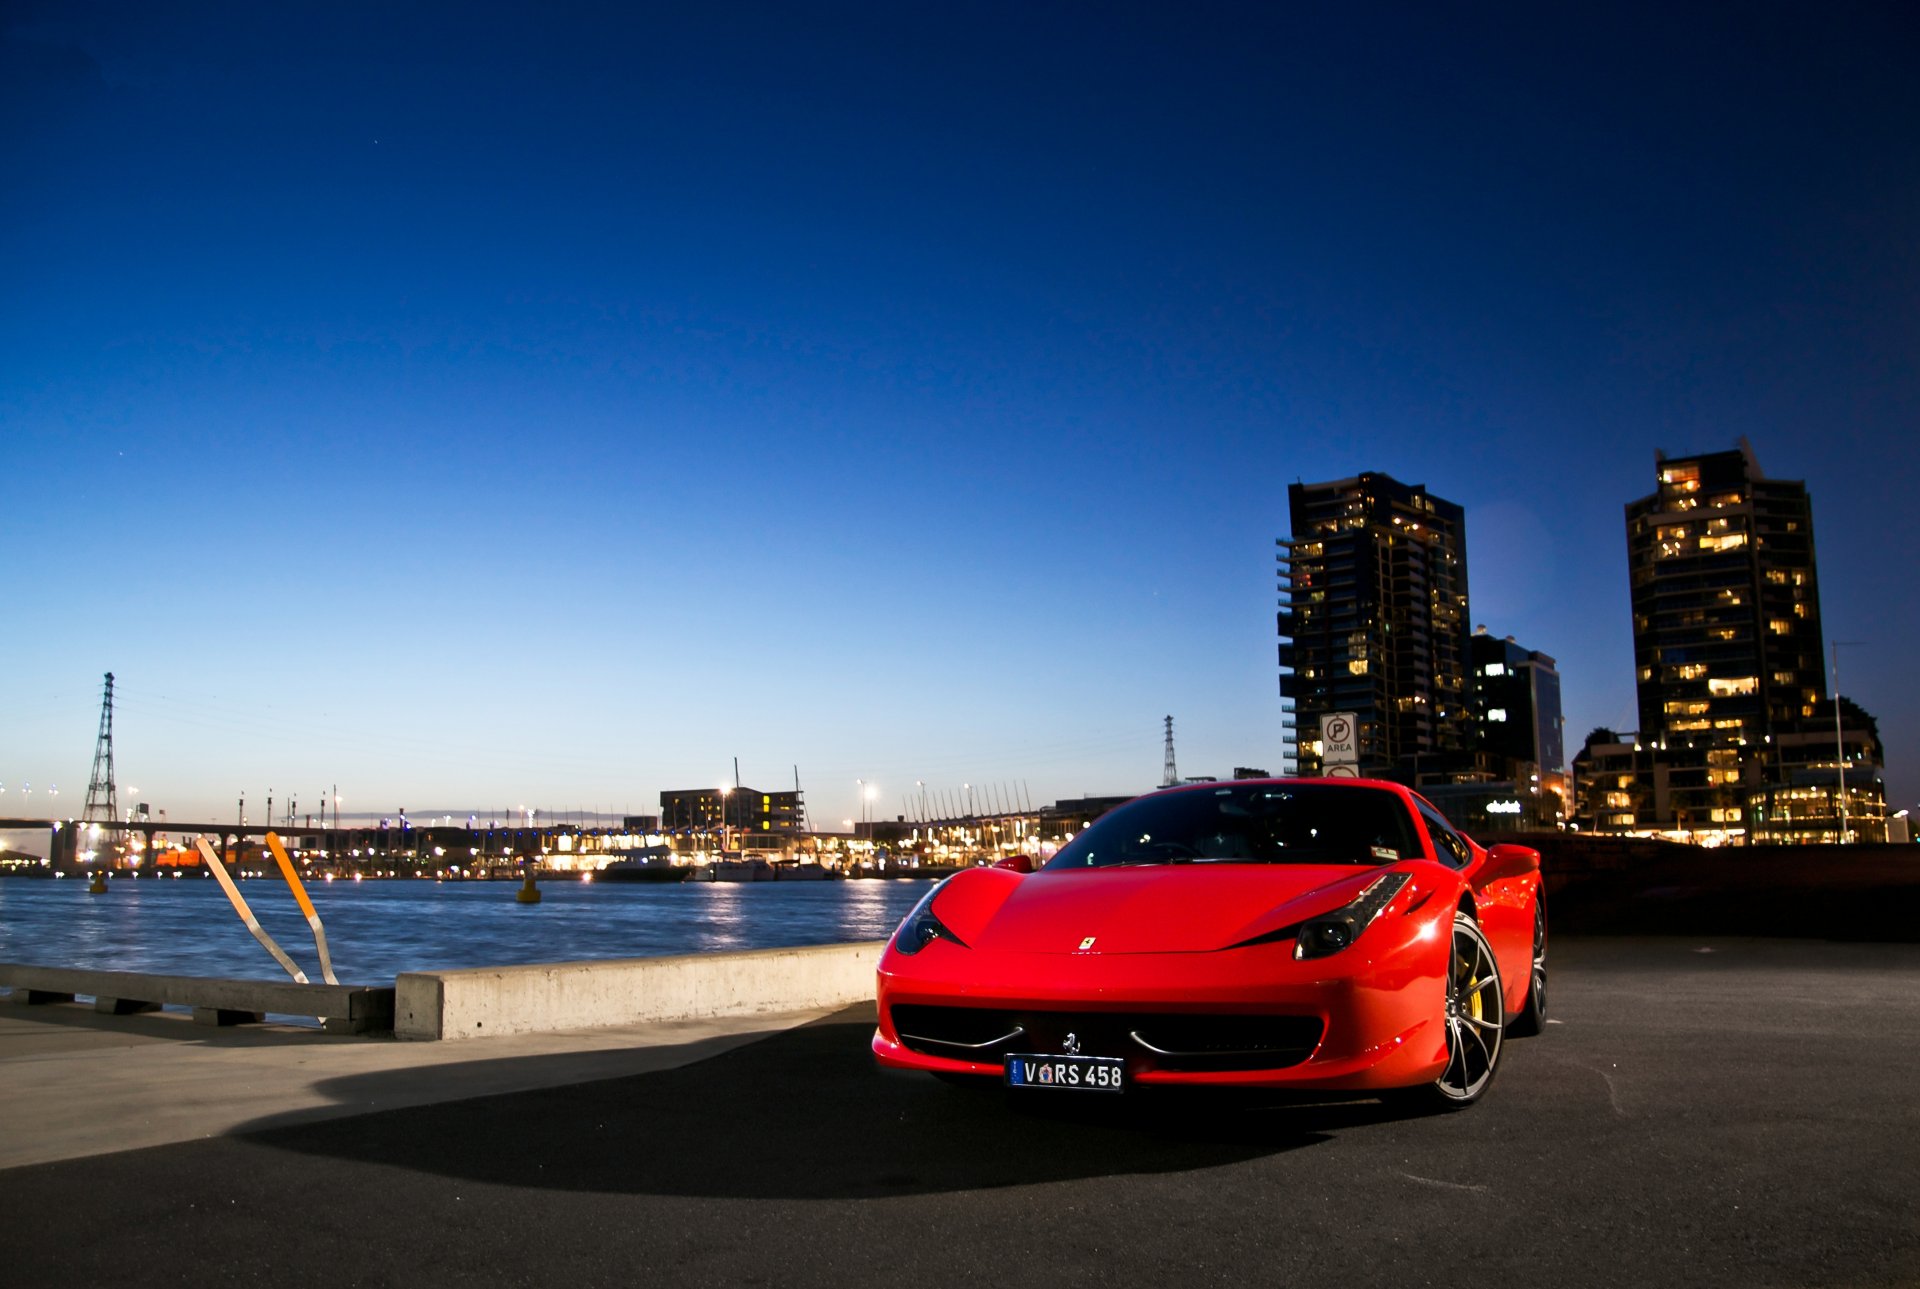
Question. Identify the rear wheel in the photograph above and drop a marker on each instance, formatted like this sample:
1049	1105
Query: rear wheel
1474	1012
1533	1017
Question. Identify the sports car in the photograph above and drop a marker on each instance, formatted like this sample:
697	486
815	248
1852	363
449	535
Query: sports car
1312	934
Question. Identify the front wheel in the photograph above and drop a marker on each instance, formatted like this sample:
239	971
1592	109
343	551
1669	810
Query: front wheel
1475	1008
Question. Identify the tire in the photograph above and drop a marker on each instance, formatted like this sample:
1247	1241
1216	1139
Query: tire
1532	1019
1474	1015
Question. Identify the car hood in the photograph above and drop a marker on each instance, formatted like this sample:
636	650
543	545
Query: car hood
1168	908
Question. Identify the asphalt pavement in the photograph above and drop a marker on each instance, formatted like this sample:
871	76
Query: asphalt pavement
1703	1112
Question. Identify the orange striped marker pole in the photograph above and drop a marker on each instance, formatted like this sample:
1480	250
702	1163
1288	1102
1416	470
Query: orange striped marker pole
292	875
219	870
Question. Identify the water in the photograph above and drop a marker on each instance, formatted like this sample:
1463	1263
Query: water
376	930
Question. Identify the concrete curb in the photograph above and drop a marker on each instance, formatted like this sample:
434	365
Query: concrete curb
486	1002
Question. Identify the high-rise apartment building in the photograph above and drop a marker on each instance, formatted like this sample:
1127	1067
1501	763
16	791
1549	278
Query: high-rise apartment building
1516	704
1726	626
1373	620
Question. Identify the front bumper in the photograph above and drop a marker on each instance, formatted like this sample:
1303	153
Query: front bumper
1368	1017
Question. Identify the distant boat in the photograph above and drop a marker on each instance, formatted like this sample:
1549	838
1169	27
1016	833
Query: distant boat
652	865
735	869
804	870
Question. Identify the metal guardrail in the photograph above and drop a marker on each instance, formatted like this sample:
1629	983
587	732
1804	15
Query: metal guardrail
340	1009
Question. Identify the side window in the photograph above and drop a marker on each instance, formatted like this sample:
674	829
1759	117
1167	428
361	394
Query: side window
1446	842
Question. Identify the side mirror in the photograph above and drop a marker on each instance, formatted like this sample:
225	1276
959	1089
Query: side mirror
1510	860
1017	863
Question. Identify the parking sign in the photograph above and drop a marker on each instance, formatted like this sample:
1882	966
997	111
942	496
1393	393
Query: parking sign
1339	739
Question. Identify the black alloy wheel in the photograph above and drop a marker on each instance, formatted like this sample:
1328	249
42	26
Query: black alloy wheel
1475	1015
1532	1019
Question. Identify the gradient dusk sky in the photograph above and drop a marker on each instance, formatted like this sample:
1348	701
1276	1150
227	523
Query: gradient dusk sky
482	406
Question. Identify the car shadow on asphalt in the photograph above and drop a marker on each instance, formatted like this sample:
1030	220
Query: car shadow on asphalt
802	1114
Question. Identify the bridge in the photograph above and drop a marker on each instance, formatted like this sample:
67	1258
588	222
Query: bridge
77	844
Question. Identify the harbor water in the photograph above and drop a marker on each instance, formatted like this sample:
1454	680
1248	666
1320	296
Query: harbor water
377	929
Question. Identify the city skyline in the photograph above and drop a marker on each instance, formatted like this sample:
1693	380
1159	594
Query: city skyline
469	409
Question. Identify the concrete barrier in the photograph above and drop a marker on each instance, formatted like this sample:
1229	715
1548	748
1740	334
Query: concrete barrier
341	1009
483	1002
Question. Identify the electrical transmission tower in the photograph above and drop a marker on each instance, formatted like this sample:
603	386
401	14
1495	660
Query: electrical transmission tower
101	807
1171	776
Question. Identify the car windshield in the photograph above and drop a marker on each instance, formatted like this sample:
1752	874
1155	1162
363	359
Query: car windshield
1251	823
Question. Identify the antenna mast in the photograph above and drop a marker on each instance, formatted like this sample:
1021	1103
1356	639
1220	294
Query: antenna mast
1171	776
101	806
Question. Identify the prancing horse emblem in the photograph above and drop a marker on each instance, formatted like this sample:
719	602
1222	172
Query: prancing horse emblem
1072	1045
1086	944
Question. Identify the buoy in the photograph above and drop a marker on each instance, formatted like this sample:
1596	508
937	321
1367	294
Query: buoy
98	886
528	892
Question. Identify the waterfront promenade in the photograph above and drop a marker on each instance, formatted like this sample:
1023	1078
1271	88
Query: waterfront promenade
1706	1111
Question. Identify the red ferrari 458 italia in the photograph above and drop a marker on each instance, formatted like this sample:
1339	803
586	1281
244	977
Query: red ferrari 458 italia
1320	934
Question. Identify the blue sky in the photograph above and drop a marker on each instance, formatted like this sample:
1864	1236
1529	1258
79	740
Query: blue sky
484	406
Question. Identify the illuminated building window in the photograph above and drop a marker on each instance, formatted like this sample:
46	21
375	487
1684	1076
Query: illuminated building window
1496	713
1729	723
1686	707
1495	669
1780	626
1735	685
1690	671
1358	666
1688	725
1783	678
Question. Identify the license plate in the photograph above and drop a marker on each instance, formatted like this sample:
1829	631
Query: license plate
1072	1073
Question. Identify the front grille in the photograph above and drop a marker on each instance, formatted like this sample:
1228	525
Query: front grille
965	1033
1195	1042
1184	1041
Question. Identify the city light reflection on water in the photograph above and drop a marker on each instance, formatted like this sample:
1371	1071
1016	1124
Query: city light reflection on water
376	930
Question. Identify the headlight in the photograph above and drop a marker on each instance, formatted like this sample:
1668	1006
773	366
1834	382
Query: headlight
1332	932
921	928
